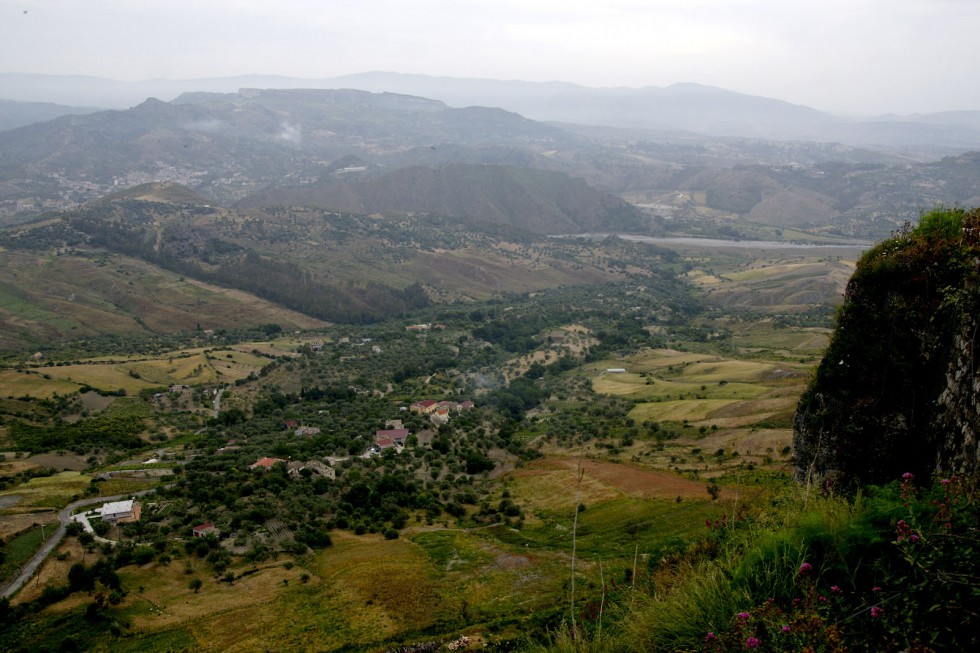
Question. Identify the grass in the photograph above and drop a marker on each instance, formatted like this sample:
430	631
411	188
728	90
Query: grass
49	491
194	366
20	548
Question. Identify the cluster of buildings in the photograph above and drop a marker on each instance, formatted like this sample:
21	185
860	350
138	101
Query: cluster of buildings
439	411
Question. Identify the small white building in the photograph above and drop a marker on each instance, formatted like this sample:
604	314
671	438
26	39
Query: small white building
120	511
616	370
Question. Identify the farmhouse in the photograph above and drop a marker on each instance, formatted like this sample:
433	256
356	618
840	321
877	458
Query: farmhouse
397	436
120	512
205	529
315	466
424	407
440	416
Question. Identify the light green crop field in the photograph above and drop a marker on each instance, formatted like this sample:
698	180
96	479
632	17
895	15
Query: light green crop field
196	366
49	491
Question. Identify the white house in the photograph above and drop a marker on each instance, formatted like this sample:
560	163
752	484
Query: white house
120	511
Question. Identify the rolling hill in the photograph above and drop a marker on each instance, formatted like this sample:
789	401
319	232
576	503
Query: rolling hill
158	258
539	201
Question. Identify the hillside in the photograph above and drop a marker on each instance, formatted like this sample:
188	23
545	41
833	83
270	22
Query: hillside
896	391
341	148
683	107
227	146
15	114
534	200
154	257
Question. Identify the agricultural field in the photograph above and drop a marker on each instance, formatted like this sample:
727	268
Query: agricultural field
701	389
196	366
470	529
48	491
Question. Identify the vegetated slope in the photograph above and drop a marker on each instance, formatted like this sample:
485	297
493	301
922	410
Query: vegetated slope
229	145
898	388
536	200
48	296
325	264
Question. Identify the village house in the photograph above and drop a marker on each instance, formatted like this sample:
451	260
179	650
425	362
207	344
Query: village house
424	407
120	512
315	466
397	436
205	529
440	416
383	443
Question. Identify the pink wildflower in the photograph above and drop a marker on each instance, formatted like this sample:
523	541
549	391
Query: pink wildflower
752	642
876	611
743	615
710	637
805	568
908	476
785	629
835	589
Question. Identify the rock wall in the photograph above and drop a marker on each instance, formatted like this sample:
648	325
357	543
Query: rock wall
898	388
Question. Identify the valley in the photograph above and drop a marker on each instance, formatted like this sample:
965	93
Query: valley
482	545
341	370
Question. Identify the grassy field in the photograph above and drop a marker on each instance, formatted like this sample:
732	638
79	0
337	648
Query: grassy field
19	550
432	583
49	491
702	389
196	366
364	592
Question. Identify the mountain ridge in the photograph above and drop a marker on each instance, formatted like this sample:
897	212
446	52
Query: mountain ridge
728	112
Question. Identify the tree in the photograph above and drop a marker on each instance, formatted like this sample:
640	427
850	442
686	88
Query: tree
195	585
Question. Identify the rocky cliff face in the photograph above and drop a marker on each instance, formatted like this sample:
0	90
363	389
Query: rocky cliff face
899	388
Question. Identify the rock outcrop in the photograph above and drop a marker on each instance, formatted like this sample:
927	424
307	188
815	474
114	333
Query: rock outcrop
899	388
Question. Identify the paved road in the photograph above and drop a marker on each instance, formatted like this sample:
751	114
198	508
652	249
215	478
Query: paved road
217	402
64	517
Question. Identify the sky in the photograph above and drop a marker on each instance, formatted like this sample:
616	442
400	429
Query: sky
862	57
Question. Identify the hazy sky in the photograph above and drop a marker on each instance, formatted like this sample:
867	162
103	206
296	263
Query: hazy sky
862	56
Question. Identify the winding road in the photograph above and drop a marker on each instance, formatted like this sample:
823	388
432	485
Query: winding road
64	518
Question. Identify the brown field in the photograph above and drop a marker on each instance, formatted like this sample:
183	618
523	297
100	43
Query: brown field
601	480
60	462
14	523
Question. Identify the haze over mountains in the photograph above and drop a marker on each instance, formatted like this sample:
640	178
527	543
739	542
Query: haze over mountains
688	107
343	149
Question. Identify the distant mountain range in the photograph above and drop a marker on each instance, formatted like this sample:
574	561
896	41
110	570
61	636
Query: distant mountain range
15	114
687	107
359	151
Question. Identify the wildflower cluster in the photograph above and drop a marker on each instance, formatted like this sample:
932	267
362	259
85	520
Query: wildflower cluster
805	623
918	594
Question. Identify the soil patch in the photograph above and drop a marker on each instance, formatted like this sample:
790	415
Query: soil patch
60	462
627	478
11	525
